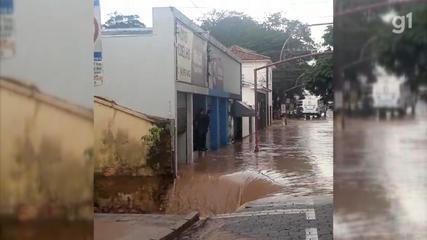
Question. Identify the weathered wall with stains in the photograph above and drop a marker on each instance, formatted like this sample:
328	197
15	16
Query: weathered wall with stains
119	143
46	145
132	159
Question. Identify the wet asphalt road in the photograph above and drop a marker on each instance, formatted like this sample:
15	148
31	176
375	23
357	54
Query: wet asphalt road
380	177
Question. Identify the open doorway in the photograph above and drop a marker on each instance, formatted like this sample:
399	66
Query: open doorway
199	104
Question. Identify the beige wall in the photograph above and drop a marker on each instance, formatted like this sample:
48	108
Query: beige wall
118	138
45	152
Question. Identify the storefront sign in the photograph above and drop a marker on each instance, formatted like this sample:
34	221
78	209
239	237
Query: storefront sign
184	51
97	55
216	68
7	29
199	62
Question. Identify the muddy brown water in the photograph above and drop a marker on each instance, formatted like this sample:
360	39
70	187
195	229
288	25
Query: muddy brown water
295	160
45	229
380	177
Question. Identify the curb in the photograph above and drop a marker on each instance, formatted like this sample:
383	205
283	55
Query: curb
182	225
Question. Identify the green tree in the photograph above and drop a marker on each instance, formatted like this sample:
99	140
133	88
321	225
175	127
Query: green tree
117	20
267	38
406	53
364	39
319	78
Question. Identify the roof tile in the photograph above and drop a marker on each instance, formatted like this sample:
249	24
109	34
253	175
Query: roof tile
247	54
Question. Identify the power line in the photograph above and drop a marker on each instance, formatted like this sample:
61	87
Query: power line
319	24
373	6
194	4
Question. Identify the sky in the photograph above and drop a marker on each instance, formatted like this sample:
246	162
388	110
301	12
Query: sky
306	11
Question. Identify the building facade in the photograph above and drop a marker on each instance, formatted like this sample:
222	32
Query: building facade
250	61
173	70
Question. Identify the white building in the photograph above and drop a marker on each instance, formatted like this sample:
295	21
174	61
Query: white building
51	49
173	70
250	61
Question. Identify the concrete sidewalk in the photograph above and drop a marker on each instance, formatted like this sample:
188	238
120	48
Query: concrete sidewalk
141	226
277	217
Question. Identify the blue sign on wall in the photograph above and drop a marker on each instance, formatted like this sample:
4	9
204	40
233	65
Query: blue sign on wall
97	55
6	6
7	29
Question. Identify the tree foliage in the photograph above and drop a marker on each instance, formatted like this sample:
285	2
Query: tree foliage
267	38
118	20
364	39
319	78
406	53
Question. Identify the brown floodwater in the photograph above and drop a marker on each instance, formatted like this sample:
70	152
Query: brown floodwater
45	229
380	185
295	160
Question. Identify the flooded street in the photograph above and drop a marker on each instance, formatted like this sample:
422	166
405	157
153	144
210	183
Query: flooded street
46	229
380	175
294	160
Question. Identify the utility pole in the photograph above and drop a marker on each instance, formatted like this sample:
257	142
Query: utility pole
256	110
290	36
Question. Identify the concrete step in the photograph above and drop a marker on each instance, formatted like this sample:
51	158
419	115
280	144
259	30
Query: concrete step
141	226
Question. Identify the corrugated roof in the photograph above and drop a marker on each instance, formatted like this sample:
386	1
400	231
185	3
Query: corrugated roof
247	54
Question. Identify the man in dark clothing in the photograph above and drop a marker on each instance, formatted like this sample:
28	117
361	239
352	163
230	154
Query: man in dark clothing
202	129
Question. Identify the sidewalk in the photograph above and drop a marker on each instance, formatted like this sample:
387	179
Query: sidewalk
141	226
276	217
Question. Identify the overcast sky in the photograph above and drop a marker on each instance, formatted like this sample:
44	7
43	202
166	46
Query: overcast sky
307	11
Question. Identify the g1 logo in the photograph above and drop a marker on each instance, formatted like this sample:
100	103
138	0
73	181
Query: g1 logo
399	23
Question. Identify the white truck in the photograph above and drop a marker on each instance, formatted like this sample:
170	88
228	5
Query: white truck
392	96
312	106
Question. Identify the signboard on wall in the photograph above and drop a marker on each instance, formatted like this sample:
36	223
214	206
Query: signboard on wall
216	69
184	51
97	54
225	75
7	29
199	62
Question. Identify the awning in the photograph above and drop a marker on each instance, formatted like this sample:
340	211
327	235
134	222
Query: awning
240	109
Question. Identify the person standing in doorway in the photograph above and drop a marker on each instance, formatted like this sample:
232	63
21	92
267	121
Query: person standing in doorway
196	135
202	130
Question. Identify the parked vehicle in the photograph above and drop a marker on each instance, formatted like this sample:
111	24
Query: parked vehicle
312	106
393	96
